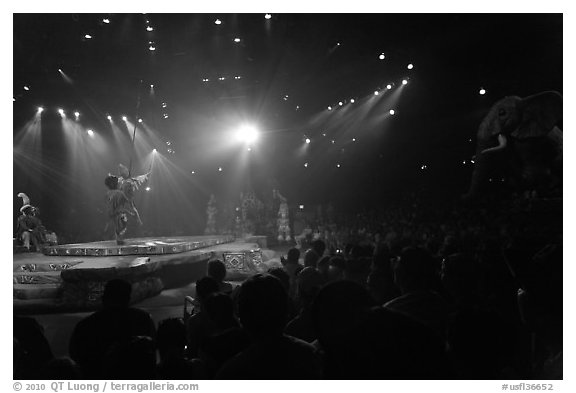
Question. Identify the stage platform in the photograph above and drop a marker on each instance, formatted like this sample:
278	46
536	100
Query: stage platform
71	278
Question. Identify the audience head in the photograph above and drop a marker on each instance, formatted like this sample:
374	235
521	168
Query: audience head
117	293
319	247
217	270
308	283
131	359
220	309
262	306
310	258
171	337
205	287
415	270
293	255
281	275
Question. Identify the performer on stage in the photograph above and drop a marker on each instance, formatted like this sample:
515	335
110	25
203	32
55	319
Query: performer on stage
120	198
29	227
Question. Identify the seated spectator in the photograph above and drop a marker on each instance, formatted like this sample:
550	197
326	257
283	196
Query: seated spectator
309	282
132	359
61	369
415	275
115	323
171	343
381	286
292	266
262	306
31	348
323	267
311	258
199	325
357	269
336	310
217	270
281	275
336	268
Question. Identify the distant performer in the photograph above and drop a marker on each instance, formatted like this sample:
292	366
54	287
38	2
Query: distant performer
30	230
120	200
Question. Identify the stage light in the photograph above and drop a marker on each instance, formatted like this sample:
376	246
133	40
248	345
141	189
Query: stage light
168	143
268	16
77	115
124	118
109	117
139	120
154	150
40	109
26	88
382	56
404	81
305	165
152	48
147	188
307	140
389	87
340	103
236	39
352	100
218	22
323	134
237	77
165	116
297	107
90	133
333	141
151	86
392	111
219	169
482	92
60	70
193	172
337	165
249	148
106	20
87	36
472	161
247	134
205	80
221	78
149	28
301	207
353	139
464	162
329	108
61	111
376	93
410	66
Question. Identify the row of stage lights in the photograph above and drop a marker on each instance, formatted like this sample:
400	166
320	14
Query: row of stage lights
62	113
376	93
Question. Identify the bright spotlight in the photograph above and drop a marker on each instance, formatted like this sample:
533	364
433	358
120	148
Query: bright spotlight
352	100
236	39
376	93
307	140
305	165
340	103
77	115
268	16
404	81
109	117
87	36
382	56
219	169
337	165
389	87
410	66
247	134
392	111
482	91
40	109
301	207
61	111
152	48
90	132
154	150
147	188
106	20
124	118
353	139
329	108
139	120
26	88
218	22
164	105
193	172
149	28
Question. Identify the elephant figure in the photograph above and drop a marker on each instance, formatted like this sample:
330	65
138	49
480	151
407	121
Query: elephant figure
525	136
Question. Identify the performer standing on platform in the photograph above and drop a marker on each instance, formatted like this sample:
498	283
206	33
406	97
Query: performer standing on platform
120	200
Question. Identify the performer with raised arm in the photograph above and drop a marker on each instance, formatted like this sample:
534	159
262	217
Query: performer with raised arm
120	200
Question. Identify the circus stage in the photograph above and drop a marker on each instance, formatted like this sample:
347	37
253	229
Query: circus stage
71	278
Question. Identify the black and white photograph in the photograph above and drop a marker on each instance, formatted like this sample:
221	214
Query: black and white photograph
260	196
